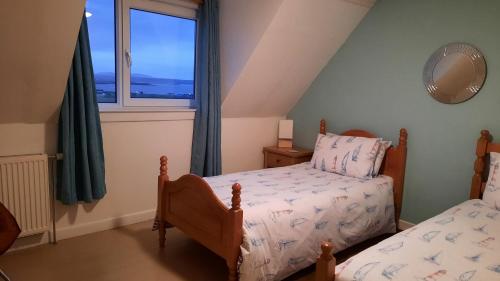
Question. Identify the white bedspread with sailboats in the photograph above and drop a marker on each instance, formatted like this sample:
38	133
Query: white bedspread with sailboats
463	244
288	211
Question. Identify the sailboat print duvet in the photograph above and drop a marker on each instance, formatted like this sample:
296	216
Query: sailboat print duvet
288	211
461	244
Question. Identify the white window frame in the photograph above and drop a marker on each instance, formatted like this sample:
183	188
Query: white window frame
177	8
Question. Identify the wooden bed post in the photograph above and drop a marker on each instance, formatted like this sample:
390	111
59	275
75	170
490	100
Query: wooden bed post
479	165
162	179
236	224
400	179
322	127
403	137
325	265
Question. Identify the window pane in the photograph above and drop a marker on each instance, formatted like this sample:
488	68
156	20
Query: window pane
101	24
163	56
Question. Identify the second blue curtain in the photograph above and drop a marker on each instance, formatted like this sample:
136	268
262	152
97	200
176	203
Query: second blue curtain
206	149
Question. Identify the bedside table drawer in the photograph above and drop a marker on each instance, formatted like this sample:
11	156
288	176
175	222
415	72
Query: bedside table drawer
280	157
275	160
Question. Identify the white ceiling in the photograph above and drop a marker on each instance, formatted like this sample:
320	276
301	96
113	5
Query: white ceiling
37	45
298	41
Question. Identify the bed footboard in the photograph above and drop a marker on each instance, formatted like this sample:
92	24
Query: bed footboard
189	204
325	265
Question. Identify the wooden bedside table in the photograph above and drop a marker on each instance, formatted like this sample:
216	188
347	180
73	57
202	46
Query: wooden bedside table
278	157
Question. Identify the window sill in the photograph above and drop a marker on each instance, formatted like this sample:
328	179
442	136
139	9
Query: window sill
111	115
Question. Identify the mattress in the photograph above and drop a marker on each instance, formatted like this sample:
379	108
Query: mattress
288	211
462	243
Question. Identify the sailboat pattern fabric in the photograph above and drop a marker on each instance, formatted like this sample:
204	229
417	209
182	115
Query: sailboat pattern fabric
345	155
288	211
383	146
492	190
462	243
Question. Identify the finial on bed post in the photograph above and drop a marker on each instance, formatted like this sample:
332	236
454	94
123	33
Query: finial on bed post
403	137
326	251
236	199
322	126
162	178
479	165
325	265
163	166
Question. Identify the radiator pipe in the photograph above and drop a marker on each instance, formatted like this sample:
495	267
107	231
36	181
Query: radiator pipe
56	157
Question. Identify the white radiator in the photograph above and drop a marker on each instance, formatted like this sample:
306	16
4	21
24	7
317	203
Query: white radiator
24	190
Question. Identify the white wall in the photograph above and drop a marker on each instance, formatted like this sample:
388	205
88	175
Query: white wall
133	143
132	148
243	140
18	138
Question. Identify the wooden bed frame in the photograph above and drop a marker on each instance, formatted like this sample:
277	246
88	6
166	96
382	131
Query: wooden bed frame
325	266
189	204
483	148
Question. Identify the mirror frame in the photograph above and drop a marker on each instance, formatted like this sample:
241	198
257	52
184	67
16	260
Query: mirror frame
478	61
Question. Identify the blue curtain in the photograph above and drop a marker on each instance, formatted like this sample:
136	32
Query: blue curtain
206	151
81	172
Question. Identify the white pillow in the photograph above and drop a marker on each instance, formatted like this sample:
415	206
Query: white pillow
491	193
383	146
345	155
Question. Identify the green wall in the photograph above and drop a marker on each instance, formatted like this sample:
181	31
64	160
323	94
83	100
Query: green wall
374	82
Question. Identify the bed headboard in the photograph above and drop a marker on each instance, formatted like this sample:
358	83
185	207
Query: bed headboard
481	166
394	164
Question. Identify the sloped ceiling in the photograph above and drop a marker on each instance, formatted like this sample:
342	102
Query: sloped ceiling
271	50
242	24
280	60
37	44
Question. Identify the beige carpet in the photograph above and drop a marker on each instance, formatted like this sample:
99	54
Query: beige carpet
130	253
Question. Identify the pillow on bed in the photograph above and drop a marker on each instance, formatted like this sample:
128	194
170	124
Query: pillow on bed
491	193
345	155
383	146
382	149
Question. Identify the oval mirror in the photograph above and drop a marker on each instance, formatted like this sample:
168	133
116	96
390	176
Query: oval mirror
455	73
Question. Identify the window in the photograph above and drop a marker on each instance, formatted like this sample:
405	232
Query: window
101	24
153	60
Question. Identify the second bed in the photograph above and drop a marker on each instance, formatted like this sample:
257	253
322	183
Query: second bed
462	243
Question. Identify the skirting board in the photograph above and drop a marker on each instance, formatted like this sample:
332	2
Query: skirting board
83	229
404	225
105	224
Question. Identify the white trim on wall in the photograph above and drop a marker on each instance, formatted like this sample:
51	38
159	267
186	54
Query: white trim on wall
83	229
147	116
105	224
